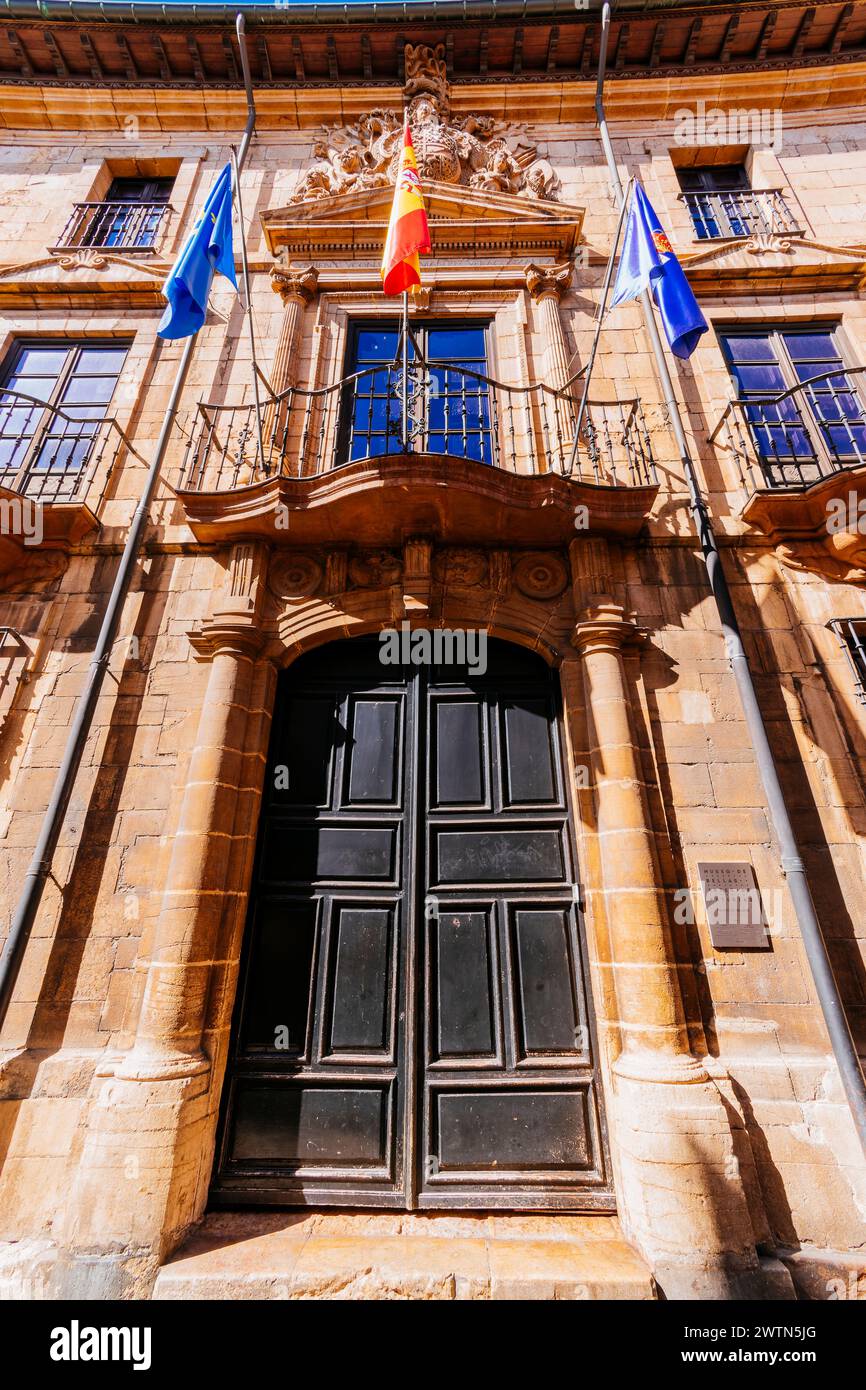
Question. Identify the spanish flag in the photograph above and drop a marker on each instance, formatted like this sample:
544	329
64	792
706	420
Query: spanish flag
408	233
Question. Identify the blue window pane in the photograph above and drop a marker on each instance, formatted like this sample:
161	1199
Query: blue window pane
108	360
21	420
749	348
450	344
475	447
765	380
37	361
38	386
811	347
89	389
846	440
376	345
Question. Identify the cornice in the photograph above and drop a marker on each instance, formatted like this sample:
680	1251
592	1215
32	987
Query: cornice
195	111
334	45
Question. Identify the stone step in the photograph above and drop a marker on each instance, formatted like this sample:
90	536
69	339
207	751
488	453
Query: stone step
357	1255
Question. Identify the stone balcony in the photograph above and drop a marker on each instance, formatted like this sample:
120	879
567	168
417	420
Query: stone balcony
54	471
800	458
458	455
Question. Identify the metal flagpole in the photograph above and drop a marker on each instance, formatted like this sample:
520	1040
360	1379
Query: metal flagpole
601	313
249	299
237	161
405	392
39	867
792	864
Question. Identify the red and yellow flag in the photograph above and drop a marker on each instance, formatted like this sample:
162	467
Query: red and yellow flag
408	233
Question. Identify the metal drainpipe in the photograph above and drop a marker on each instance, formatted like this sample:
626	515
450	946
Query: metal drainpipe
792	864
39	867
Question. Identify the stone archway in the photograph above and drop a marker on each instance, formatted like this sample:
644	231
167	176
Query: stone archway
680	1188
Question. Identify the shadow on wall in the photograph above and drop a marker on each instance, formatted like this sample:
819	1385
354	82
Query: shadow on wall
83	881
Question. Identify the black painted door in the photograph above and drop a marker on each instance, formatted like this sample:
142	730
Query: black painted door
413	1027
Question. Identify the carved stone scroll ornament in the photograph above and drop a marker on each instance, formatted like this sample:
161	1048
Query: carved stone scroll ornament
469	150
85	258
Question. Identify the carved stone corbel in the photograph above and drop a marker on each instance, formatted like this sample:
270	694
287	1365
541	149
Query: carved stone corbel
417	575
590	569
233	625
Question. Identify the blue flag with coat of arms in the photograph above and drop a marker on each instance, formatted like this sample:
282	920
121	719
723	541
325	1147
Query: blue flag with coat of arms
648	262
207	250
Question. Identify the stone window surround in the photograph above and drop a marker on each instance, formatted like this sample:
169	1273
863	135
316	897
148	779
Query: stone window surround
108	162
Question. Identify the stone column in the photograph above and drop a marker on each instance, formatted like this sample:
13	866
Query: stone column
651	1015
677	1139
296	288
168	1039
547	285
147	1150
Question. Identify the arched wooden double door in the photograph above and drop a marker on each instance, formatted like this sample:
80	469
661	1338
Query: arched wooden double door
413	1025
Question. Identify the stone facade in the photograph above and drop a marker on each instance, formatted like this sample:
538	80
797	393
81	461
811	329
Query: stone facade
735	1157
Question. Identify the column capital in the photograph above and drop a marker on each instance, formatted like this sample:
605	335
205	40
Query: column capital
604	625
226	638
292	283
548	281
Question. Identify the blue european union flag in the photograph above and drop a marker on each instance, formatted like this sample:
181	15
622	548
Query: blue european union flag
208	248
648	262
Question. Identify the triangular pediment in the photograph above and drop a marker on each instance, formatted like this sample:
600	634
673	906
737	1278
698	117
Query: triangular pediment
463	221
772	262
87	276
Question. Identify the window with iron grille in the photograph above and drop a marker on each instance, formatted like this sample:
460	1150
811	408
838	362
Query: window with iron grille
128	218
852	636
802	402
54	396
722	203
449	398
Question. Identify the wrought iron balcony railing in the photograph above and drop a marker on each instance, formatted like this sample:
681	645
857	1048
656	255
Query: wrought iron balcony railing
851	633
739	212
53	456
450	410
118	226
799	436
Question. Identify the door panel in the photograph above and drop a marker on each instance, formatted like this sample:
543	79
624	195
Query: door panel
413	1027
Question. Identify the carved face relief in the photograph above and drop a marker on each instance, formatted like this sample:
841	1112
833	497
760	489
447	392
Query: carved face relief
461	567
375	569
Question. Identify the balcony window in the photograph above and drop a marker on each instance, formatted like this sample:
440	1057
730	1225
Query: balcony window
54	398
449	395
852	635
128	219
798	401
722	204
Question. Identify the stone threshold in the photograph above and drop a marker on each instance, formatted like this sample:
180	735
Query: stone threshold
361	1255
